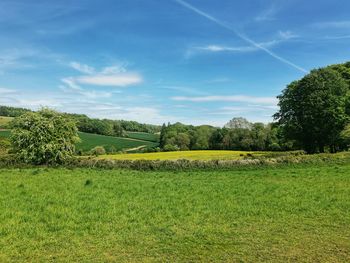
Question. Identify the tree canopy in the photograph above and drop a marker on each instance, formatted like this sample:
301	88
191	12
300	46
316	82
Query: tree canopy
313	110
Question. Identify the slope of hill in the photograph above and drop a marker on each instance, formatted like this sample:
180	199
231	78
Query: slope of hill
4	121
143	136
89	141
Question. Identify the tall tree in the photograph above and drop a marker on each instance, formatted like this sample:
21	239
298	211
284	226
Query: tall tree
313	109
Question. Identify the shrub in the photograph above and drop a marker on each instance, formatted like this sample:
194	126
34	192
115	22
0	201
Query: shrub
170	148
98	150
44	137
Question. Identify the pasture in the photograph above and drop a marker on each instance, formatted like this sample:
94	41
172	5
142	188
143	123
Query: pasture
298	214
189	155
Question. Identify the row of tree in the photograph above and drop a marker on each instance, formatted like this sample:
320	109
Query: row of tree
252	137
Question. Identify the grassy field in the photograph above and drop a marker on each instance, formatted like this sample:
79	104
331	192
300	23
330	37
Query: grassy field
89	141
190	155
267	215
143	136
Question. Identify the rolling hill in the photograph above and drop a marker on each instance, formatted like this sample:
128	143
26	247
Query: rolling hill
89	141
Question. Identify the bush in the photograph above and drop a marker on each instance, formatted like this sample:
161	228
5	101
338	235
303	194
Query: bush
44	137
98	150
170	148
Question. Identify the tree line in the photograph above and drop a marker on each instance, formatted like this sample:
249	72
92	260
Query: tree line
256	137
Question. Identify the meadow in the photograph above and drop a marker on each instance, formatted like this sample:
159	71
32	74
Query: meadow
189	155
298	214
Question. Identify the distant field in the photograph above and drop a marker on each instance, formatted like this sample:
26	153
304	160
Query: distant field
289	214
89	141
143	136
4	121
190	155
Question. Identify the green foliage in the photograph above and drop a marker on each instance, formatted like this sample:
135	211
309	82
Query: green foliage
284	214
98	150
259	137
313	110
44	137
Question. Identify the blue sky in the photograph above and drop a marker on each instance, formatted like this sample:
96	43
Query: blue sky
155	61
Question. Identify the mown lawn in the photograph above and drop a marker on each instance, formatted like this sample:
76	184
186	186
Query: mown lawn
190	155
267	215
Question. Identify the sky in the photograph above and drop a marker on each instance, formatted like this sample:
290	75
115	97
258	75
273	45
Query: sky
159	61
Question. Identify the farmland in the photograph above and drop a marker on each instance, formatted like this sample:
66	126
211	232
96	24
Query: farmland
89	141
271	214
143	136
189	155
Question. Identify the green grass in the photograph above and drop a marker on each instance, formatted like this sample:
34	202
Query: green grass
89	141
143	136
267	215
5	133
190	155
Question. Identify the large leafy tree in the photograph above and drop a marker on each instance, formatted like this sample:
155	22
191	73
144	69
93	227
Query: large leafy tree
313	109
44	137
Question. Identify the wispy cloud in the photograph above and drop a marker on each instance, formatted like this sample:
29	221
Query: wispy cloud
267	14
114	76
234	98
283	36
5	91
83	68
332	24
240	35
117	80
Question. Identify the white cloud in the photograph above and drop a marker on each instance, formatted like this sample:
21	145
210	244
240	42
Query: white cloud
114	76
235	98
82	68
5	91
282	37
286	35
116	80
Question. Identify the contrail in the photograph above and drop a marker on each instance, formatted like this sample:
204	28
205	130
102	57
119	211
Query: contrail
246	39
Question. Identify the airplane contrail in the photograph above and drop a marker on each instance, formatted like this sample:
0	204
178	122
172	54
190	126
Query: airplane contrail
241	36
